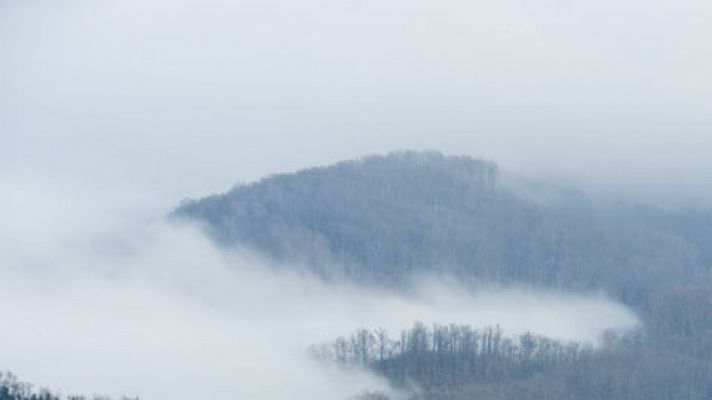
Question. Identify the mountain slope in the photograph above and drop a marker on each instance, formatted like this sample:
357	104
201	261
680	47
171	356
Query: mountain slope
384	218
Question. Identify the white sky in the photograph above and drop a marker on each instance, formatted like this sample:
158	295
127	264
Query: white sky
184	98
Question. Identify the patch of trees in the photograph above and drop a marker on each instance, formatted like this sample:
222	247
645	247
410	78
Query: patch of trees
454	354
12	388
458	362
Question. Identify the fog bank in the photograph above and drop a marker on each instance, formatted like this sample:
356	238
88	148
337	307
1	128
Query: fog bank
97	301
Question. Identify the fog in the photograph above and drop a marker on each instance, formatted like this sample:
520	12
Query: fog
186	97
97	301
112	112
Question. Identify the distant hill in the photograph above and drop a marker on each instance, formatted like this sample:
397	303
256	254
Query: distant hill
384	218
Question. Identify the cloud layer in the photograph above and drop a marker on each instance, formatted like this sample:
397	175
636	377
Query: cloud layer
191	96
94	301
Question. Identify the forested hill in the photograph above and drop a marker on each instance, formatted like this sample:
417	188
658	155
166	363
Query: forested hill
382	218
386	218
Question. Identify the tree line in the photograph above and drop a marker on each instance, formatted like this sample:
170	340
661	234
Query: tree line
457	362
11	388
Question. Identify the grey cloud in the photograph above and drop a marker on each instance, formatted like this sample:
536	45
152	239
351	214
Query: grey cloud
186	97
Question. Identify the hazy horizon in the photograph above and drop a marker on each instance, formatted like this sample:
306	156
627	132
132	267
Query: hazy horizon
112	112
186	98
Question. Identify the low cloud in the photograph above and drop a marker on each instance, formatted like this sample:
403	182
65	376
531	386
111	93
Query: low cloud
96	299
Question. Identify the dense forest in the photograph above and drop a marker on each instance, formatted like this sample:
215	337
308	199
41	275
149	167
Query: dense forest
385	219
457	362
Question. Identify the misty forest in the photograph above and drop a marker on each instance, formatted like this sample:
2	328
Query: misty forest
385	221
355	200
381	220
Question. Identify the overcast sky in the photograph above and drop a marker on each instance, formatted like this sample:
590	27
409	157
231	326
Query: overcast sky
185	97
113	111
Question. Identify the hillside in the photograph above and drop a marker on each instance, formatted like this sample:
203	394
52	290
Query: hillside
384	218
